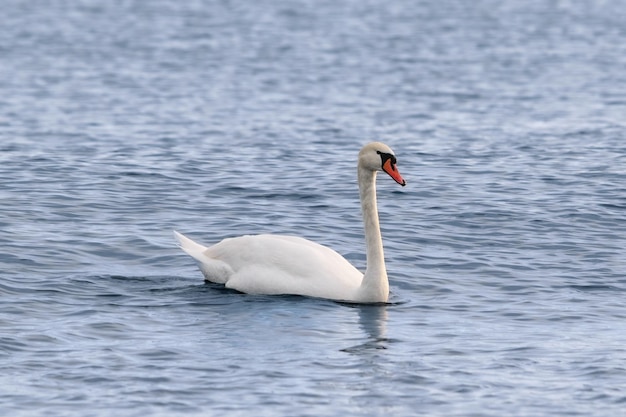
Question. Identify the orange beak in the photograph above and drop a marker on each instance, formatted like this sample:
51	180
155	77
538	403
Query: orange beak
393	172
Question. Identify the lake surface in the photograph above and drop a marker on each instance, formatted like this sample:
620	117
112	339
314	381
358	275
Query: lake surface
121	121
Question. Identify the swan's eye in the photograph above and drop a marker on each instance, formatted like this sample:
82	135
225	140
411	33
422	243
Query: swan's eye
386	157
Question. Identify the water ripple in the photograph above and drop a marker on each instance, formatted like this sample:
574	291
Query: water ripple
126	120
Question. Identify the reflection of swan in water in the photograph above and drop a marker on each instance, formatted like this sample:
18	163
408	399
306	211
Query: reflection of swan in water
373	320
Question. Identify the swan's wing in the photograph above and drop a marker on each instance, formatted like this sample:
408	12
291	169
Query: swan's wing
276	264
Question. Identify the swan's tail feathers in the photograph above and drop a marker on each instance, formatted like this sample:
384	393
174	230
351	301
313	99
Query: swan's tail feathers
214	270
193	249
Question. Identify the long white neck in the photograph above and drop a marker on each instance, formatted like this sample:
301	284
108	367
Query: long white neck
375	286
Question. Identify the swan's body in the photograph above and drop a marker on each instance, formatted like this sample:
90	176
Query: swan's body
275	264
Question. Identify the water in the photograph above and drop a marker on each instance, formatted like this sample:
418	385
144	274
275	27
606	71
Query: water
123	120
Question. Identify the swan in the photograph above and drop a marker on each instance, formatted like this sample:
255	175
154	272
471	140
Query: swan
277	264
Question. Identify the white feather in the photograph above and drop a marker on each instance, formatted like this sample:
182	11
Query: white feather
276	264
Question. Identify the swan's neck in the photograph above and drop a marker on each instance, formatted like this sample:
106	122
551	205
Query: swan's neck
375	286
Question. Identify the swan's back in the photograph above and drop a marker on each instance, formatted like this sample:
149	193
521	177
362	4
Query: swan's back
278	264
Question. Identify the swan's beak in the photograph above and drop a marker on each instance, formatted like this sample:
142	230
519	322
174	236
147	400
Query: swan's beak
393	172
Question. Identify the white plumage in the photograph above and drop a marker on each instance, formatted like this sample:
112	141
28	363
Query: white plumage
276	264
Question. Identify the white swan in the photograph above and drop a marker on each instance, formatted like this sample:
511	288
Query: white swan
275	264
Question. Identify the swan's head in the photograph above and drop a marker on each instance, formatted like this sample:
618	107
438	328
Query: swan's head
377	156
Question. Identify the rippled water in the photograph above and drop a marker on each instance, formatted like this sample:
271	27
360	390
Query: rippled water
123	120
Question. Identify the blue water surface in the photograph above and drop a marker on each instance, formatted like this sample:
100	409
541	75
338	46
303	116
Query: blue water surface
123	120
